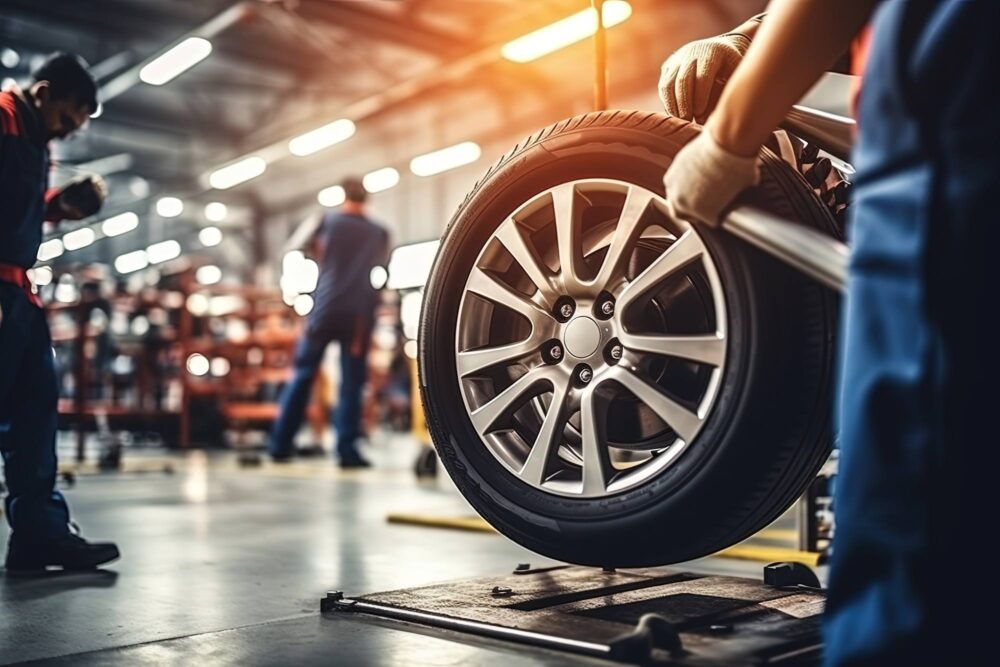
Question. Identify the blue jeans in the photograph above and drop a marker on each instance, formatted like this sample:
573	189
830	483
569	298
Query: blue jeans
353	334
29	395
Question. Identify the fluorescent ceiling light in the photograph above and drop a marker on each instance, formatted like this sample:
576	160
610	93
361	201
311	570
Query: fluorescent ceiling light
178	59
298	273
97	113
9	58
210	236
216	211
302	305
131	261
78	238
237	172
380	179
562	33
169	207
331	196
50	250
321	137
445	159
208	275
163	251
119	224
410	265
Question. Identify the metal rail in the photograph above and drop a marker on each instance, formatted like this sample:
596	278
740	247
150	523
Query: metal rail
814	253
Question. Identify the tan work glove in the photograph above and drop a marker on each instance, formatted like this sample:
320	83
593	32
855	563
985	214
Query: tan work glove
693	77
704	178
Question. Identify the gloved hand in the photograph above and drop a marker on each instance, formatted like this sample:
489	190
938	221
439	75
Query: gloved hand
78	199
692	78
704	178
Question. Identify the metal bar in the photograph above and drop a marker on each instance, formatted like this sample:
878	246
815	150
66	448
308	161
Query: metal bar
476	627
832	133
817	255
600	59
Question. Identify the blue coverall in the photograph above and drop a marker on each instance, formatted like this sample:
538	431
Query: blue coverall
914	396
344	311
29	393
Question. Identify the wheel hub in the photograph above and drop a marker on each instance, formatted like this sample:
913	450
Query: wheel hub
582	337
586	350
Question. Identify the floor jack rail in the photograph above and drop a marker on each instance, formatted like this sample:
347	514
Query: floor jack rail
654	616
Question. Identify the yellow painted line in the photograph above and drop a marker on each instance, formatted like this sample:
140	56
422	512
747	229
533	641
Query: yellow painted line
769	554
783	534
473	523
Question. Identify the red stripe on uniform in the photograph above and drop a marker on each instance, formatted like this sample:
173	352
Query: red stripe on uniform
10	120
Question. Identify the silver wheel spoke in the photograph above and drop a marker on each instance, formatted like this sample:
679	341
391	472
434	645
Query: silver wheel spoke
684	422
569	245
503	403
707	349
486	286
512	240
473	361
565	444
594	478
626	234
535	464
682	252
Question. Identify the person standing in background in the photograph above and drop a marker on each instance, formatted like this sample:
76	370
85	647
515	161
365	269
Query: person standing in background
350	245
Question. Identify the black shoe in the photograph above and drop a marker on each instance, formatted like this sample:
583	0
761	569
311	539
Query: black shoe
354	463
70	552
281	458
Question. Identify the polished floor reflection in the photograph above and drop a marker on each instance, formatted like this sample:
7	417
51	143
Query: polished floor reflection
227	565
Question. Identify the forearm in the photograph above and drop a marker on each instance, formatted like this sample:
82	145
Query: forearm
798	42
748	28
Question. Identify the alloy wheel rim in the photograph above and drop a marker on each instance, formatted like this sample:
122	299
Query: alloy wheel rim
552	334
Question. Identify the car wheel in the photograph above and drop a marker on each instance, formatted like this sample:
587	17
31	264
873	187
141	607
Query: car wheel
607	385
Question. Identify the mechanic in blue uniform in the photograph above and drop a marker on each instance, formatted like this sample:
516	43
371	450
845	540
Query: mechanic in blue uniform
916	395
349	245
59	101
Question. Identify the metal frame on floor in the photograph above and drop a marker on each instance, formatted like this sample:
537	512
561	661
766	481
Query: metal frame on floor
655	616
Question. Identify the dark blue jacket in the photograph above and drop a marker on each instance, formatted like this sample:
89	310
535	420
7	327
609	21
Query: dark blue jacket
24	179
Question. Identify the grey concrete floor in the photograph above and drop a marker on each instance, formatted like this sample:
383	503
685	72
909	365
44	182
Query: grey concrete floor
227	565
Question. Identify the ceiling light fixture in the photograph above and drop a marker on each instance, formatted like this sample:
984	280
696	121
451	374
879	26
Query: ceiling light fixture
380	179
210	236
322	137
120	224
131	261
445	159
331	196
562	33
175	61
79	238
237	172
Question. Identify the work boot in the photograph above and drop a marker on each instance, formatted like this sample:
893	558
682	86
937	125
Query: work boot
70	552
354	461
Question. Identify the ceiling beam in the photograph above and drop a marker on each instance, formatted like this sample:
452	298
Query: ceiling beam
411	34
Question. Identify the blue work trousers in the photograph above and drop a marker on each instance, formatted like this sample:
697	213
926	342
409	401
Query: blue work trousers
353	333
29	393
917	394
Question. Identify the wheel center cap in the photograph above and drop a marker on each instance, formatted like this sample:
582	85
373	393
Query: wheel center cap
582	337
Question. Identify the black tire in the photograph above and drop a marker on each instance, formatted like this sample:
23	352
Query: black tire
769	431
